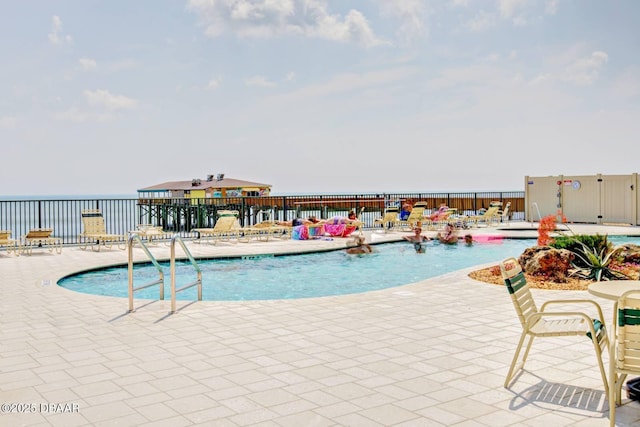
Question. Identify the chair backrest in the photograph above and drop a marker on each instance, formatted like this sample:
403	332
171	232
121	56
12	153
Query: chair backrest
5	234
391	213
417	211
222	213
492	211
628	332
225	223
516	284
419	205
505	212
93	221
39	233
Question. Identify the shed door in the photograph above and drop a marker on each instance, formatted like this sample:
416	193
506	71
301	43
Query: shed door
617	199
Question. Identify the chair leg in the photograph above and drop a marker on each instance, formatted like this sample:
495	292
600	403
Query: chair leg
598	348
514	361
615	394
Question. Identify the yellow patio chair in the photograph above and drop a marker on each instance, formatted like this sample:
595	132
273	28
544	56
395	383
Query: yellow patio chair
625	355
8	242
41	237
490	217
504	214
226	228
264	231
542	323
95	233
152	233
416	216
390	218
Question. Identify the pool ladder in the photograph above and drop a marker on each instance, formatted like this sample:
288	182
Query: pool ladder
134	238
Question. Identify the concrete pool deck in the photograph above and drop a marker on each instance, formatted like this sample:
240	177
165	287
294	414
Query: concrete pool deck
432	353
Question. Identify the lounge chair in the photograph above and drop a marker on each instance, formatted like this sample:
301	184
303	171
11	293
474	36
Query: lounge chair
416	216
8	242
152	233
264	231
488	218
95	232
41	237
624	359
504	214
439	219
390	218
343	227
547	323
226	228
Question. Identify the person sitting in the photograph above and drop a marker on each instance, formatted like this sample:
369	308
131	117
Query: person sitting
361	248
339	226
405	211
417	239
299	221
304	229
440	213
449	235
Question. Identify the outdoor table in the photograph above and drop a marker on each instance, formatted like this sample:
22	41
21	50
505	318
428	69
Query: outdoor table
613	290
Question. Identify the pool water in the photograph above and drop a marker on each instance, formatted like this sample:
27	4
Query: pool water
306	275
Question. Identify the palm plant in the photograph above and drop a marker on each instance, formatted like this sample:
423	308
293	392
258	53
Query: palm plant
595	262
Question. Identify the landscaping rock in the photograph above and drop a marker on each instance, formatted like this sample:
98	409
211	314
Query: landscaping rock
547	262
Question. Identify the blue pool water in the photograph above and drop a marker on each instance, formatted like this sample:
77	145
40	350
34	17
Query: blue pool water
307	275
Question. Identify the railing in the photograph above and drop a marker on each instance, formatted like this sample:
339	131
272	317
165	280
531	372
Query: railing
132	239
534	204
198	281
181	215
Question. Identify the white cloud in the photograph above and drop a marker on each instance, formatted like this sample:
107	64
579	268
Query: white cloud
584	72
482	21
290	76
352	82
551	7
56	36
511	8
411	14
87	63
214	83
104	99
269	18
259	81
8	122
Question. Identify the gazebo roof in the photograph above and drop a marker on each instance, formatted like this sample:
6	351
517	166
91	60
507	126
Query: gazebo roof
204	184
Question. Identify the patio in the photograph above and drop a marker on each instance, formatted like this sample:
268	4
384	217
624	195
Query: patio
432	353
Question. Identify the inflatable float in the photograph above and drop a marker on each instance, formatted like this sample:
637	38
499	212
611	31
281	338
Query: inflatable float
487	238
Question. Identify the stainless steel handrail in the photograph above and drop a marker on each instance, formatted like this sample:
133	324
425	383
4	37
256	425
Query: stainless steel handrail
198	281
160	281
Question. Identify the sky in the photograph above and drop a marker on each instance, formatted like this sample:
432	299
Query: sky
316	96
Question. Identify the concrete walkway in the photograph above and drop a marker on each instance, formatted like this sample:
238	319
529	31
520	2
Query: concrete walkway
433	353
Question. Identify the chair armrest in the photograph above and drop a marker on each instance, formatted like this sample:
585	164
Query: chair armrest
573	301
535	318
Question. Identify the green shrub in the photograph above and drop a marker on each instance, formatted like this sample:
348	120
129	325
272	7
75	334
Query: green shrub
598	244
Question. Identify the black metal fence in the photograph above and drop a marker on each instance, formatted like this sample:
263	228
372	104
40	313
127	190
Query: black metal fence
182	215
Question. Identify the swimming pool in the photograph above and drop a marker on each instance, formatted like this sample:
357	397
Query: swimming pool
306	275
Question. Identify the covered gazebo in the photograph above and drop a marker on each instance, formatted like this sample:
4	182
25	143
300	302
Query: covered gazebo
213	186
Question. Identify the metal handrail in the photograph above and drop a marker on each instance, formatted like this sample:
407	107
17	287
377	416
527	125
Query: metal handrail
198	281
160	281
537	209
